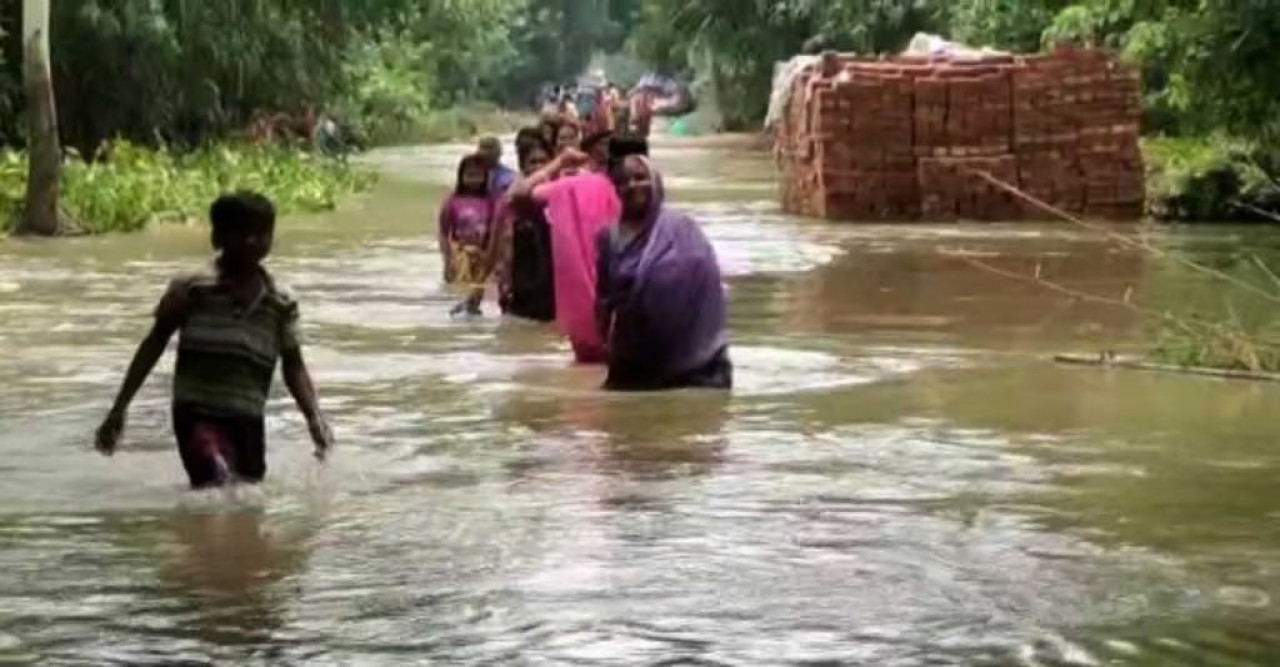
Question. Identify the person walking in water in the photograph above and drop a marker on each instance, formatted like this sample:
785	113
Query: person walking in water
500	175
660	304
465	223
578	202
522	250
233	325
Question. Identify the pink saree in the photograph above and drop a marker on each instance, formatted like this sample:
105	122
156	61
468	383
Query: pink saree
578	207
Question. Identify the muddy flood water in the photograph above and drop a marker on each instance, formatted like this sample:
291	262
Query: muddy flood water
899	478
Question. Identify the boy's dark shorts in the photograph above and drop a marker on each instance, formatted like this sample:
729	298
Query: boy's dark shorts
240	441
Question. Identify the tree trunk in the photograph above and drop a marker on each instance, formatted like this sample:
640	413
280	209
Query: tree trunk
40	214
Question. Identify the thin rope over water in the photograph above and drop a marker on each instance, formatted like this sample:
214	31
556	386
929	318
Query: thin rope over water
1131	242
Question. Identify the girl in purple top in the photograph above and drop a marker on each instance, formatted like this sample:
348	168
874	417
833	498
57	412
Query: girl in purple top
466	221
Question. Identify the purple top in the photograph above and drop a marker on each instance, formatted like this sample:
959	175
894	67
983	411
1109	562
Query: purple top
660	299
500	179
466	219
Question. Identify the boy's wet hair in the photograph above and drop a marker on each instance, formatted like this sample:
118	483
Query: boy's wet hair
238	212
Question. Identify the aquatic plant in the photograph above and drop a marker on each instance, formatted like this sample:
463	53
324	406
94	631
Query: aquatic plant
128	186
1204	325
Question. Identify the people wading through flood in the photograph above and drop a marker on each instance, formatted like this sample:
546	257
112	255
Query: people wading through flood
584	239
578	199
577	202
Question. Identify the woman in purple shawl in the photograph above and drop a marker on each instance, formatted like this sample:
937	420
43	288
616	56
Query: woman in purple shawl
660	304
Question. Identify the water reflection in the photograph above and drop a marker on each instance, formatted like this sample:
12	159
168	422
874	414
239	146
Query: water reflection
919	284
639	436
229	567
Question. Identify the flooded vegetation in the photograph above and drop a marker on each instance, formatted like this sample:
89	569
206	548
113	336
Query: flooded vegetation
900	477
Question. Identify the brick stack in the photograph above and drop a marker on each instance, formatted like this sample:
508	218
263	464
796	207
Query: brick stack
903	138
794	147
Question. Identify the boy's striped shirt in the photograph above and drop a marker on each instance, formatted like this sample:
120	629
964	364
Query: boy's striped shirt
227	353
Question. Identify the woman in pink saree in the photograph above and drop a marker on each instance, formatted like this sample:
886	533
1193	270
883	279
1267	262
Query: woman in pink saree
579	202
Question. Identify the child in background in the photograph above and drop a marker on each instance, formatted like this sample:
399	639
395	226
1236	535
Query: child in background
466	221
233	325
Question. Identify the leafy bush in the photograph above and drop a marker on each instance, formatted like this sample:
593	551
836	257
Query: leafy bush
1214	179
130	186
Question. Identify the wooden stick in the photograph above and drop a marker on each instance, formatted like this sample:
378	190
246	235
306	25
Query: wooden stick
1133	364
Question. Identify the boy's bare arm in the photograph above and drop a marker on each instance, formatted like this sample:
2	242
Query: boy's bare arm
298	379
171	312
169	316
144	361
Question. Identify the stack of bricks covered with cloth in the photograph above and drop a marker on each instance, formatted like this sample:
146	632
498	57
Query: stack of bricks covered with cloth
911	138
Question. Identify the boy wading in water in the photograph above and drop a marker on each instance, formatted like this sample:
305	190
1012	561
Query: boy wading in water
233	325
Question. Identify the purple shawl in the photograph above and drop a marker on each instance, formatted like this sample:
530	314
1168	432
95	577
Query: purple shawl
666	303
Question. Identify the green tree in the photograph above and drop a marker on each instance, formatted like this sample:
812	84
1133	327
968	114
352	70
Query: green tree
736	43
40	214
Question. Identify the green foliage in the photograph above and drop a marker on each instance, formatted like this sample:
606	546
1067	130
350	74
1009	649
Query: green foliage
1206	178
391	87
1208	67
183	72
130	185
737	43
1015	25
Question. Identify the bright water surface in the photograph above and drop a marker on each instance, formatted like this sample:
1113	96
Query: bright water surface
899	478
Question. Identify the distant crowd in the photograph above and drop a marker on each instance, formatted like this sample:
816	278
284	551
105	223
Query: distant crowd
600	107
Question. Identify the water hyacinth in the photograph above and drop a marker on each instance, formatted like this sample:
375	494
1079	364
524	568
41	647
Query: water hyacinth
129	186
